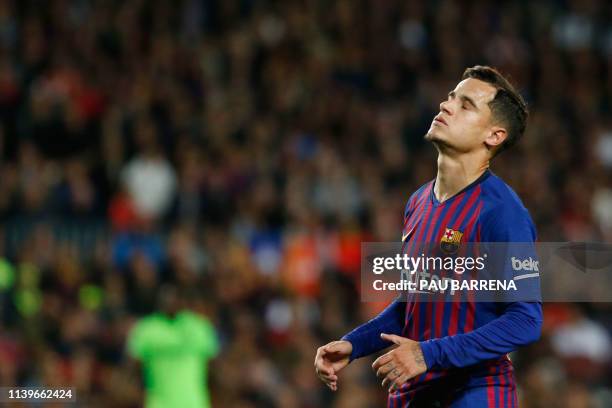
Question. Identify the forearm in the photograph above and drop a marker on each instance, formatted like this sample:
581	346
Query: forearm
366	340
519	325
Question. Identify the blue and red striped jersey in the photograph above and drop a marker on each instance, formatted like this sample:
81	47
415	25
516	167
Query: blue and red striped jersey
465	344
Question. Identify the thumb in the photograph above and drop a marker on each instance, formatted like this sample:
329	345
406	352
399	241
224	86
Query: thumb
335	347
393	338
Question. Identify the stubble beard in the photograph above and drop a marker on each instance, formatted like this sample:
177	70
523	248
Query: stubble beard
440	144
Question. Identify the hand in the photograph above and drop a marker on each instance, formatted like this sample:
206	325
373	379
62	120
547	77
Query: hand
330	359
400	364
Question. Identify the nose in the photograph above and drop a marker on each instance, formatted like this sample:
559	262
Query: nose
445	107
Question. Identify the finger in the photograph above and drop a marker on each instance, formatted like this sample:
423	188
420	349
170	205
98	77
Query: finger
386	381
323	368
384	370
390	377
328	378
325	371
398	382
326	375
395	385
319	356
393	338
382	360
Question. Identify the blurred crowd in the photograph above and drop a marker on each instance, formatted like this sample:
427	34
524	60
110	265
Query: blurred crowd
241	150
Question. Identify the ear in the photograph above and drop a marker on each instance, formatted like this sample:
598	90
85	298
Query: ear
496	137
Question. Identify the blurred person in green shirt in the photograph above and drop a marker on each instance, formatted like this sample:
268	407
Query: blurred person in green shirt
174	346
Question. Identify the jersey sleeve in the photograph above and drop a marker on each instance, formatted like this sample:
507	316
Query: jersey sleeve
205	337
138	341
366	339
519	322
414	200
511	236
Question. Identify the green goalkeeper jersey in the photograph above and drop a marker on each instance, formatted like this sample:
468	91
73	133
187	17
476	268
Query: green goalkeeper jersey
174	355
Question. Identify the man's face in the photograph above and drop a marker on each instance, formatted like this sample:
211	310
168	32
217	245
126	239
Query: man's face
464	121
170	302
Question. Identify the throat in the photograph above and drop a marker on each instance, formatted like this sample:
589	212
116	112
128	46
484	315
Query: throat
454	176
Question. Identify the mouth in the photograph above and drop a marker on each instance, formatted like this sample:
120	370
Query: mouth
439	119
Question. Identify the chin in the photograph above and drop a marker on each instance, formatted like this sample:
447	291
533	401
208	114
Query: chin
440	142
433	137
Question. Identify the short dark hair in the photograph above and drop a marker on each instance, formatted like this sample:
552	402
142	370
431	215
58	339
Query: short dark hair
508	106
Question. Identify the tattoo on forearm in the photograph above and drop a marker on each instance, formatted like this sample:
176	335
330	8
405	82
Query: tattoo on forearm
418	354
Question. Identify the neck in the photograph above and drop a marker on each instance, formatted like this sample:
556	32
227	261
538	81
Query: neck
456	172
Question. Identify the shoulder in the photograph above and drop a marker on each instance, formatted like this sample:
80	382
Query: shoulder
417	197
498	197
146	324
194	319
142	335
504	216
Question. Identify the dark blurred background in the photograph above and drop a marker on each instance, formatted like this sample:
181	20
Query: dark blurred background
243	150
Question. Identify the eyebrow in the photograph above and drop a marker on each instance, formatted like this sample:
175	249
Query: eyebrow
464	98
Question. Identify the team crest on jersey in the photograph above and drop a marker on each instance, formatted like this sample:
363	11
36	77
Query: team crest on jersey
450	240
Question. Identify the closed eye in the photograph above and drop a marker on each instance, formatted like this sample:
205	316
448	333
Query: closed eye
466	101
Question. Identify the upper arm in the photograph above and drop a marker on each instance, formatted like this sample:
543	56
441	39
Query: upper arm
511	237
204	336
137	342
211	342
